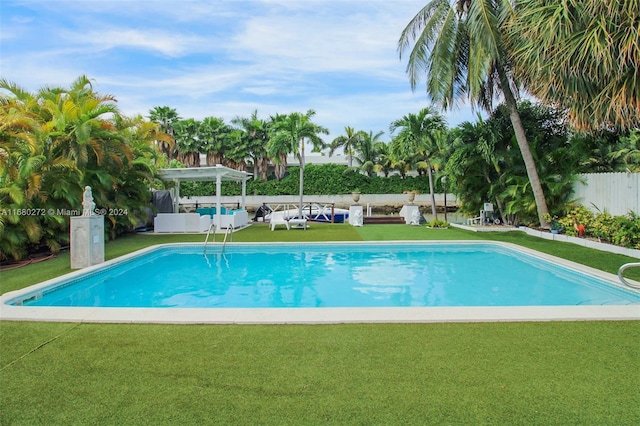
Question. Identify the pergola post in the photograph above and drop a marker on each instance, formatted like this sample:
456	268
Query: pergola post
218	203
243	198
176	200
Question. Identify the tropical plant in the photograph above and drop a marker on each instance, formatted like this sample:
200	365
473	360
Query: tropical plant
417	137
400	165
385	160
349	142
131	190
21	161
581	55
237	150
55	142
187	142
557	161
213	134
254	136
278	150
628	150
367	151
166	117
464	53
289	134
477	164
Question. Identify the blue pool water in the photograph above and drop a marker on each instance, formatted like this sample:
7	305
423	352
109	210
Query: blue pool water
369	275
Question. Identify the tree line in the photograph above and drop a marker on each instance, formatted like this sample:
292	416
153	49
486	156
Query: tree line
58	140
478	161
578	58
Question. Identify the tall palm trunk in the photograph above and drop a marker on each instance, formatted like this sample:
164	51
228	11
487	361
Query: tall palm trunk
264	168
301	159
525	150
256	168
213	158
434	212
281	168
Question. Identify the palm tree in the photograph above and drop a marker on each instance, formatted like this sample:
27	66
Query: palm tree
55	142
385	159
464	53
166	117
21	160
416	137
401	165
189	146
237	150
290	132
132	185
277	150
349	141
77	124
366	152
583	56
213	133
477	165
255	134
627	150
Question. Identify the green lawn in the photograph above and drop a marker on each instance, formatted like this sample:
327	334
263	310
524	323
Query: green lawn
490	373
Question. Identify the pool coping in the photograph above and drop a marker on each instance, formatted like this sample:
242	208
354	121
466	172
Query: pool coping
319	315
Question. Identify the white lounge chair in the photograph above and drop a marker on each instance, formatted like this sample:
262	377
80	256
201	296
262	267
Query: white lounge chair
278	218
283	218
298	223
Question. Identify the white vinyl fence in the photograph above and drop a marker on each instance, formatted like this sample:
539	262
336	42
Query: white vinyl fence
616	193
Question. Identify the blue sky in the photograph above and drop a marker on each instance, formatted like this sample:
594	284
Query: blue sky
223	58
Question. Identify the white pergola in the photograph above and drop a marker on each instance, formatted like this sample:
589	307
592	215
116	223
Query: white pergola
217	173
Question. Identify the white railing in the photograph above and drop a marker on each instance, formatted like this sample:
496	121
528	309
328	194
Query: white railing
621	271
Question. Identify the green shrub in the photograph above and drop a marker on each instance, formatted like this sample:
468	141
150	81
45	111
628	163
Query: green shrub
438	223
619	230
325	179
576	215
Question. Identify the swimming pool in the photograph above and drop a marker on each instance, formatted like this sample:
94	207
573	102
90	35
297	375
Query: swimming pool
372	281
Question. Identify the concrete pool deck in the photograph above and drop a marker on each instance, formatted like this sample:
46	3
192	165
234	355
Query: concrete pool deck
10	312
319	315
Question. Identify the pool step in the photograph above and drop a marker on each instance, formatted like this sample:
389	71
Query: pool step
377	220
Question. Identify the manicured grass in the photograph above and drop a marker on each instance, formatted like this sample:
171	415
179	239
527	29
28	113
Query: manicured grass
491	373
513	373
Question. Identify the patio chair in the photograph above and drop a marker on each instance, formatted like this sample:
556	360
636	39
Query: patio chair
278	218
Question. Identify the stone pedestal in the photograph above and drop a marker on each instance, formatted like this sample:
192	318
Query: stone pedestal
411	214
87	241
355	215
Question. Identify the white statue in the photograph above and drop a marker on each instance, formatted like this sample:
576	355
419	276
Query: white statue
88	206
357	218
415	217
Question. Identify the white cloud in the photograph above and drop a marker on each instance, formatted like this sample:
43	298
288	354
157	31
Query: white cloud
223	58
174	45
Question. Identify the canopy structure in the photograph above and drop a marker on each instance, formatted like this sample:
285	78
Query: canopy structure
218	173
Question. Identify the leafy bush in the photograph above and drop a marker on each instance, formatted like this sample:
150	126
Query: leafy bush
619	230
325	179
438	223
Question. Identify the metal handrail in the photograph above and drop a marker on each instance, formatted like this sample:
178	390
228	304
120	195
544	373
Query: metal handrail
227	232
206	240
621	270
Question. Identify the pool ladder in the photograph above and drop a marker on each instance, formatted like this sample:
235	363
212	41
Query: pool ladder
621	270
228	232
